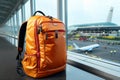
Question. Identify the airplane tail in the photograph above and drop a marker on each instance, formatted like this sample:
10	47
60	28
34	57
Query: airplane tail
76	46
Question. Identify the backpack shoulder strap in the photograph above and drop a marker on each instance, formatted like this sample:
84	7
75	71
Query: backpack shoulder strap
21	39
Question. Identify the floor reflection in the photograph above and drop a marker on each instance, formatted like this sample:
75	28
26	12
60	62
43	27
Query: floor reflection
71	73
58	76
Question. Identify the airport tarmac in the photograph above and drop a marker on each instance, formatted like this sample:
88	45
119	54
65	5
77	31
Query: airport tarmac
105	51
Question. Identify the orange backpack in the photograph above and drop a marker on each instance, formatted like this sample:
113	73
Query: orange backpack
45	52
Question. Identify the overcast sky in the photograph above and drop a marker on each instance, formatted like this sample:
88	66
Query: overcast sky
92	11
83	11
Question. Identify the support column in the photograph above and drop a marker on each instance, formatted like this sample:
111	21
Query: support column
23	12
60	9
66	20
32	5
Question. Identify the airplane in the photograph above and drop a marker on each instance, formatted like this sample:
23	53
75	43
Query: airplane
88	48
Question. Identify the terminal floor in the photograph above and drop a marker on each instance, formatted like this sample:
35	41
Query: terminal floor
8	54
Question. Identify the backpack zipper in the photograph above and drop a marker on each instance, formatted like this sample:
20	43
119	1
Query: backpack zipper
40	27
37	46
50	22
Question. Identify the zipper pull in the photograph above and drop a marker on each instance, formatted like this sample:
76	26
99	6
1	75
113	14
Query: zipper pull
56	34
46	37
39	29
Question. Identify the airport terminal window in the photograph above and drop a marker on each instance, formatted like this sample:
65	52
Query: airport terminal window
94	22
12	25
10	29
27	10
20	17
7	26
42	5
15	24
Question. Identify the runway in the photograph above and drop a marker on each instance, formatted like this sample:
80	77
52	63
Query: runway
105	51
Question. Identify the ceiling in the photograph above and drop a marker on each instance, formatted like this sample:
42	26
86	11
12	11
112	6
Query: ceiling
6	8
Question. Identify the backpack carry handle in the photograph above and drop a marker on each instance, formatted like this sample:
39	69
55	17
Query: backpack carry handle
39	12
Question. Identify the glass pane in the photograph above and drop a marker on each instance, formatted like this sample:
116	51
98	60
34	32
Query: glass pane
7	28
15	25
27	10
94	28
20	17
49	7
